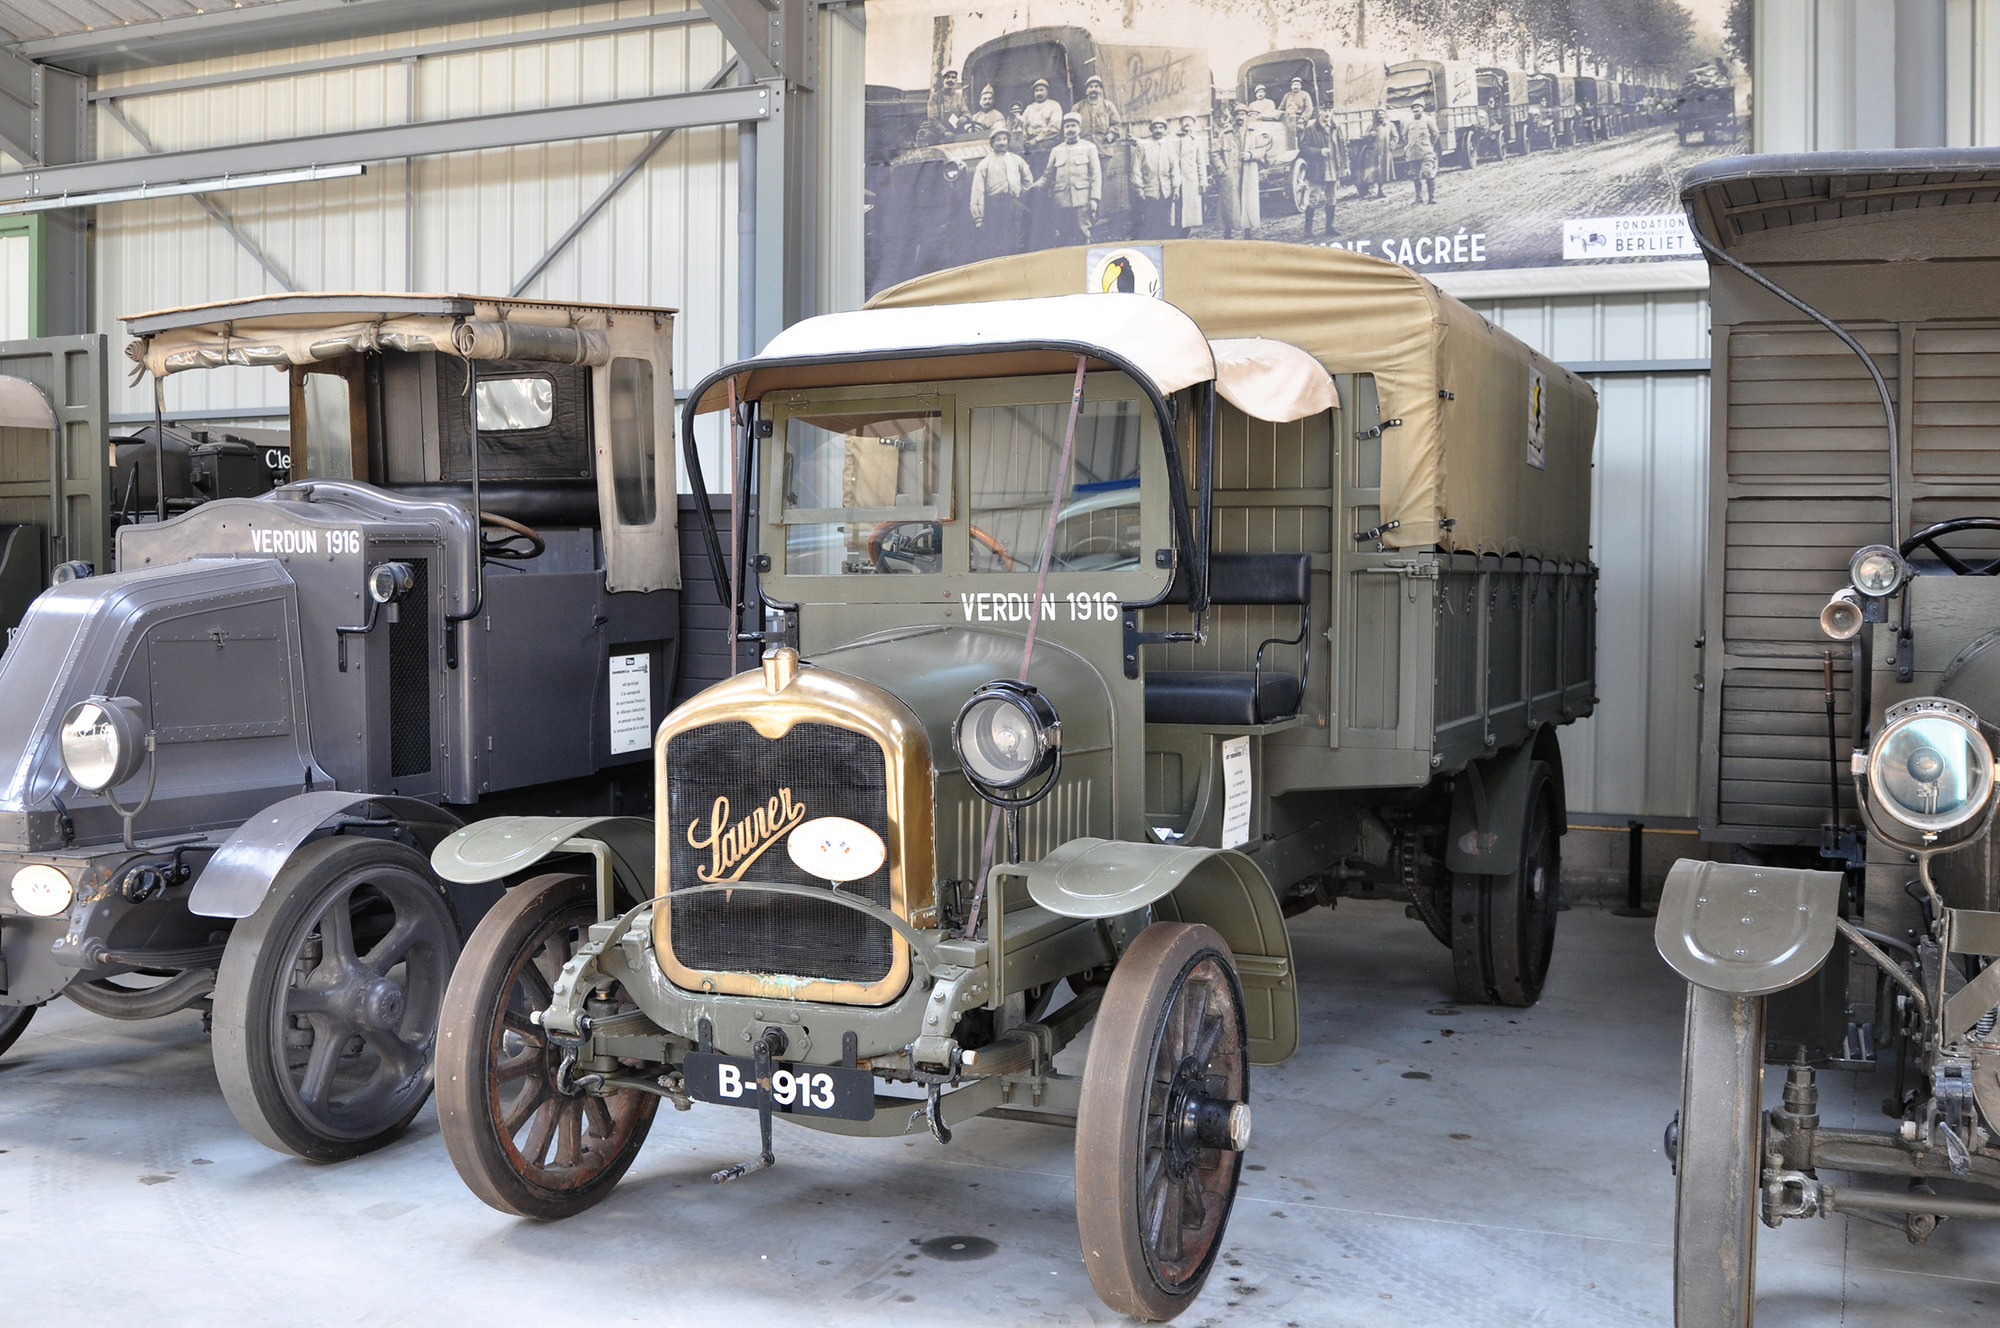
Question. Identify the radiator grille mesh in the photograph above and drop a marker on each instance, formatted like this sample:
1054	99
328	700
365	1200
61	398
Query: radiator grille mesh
410	677
732	797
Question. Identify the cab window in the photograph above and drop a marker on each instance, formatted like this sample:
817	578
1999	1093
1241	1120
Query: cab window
1015	452
866	491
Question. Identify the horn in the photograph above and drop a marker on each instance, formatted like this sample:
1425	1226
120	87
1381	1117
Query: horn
1841	618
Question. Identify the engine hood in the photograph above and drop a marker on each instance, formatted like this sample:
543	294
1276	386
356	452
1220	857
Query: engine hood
932	670
208	648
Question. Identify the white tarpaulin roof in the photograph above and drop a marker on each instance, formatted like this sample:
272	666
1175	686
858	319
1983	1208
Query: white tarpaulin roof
1272	380
992	339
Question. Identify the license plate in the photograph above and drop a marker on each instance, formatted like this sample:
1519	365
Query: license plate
796	1090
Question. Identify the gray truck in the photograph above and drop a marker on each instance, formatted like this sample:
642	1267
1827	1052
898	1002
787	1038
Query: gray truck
225	761
1850	701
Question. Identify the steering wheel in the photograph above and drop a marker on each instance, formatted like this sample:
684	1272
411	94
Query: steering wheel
923	551
519	544
1928	537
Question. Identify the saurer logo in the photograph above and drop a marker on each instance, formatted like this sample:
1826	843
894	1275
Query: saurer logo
732	848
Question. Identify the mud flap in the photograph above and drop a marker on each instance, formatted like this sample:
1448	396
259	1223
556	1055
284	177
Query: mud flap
1488	809
1746	931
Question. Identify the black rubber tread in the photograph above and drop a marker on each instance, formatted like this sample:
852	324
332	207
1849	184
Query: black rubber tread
14	1021
257	966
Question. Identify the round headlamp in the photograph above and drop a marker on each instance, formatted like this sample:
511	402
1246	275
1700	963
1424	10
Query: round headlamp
1007	733
389	582
1931	768
42	891
1877	570
103	741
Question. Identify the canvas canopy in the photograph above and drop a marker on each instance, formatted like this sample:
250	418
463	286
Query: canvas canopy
287	330
1006	338
1462	458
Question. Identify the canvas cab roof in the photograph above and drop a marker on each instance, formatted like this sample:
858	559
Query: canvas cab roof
308	327
1153	341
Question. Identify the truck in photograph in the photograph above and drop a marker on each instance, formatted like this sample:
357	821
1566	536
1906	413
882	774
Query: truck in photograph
227	753
1554	123
1504	94
1466	128
1102	632
933	181
1706	107
1850	696
1353	83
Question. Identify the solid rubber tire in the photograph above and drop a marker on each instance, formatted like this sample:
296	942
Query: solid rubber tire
246	979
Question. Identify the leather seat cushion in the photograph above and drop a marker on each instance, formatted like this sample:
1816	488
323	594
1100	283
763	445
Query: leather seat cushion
1190	696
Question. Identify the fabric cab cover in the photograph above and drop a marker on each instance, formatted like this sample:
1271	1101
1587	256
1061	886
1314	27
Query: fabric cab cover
1490	449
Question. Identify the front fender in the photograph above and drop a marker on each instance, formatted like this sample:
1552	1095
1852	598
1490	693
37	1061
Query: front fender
494	849
1747	931
1219	888
234	882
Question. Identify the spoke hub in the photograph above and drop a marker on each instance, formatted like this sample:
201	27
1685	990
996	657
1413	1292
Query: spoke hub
1197	1122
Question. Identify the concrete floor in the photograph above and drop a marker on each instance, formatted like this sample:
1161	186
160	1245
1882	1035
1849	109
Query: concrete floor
1419	1163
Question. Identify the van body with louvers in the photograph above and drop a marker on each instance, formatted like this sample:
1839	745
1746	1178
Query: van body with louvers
223	760
1100	632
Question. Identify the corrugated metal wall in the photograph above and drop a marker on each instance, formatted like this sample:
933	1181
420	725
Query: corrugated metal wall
1639	754
470	222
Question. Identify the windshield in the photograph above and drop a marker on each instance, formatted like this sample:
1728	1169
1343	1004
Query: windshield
1015	454
853	481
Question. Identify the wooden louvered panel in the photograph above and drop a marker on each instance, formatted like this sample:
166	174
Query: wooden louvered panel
1955	429
1801	405
1783	558
1774	769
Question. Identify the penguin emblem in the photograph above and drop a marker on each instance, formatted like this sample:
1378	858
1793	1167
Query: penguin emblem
1118	275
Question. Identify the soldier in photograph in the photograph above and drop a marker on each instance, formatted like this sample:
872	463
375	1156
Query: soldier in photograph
1297	107
999	207
1261	105
1378	153
1102	124
1325	155
1156	169
1420	141
1239	154
1193	181
1016	126
945	114
988	117
1041	121
1074	183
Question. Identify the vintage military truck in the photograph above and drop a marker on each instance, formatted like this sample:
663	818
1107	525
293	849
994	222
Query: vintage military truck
1468	127
1849	706
1555	120
1101	632
224	762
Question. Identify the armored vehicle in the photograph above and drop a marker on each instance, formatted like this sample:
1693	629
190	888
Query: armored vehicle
1101	632
224	762
1848	729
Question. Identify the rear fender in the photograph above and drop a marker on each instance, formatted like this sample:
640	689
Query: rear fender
1219	888
237	878
1743	930
1488	806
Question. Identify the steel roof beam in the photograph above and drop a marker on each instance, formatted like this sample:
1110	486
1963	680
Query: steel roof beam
423	138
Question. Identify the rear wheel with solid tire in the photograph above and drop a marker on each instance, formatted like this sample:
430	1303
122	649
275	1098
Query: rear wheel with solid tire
1163	1118
1503	928
326	1004
14	1022
524	1142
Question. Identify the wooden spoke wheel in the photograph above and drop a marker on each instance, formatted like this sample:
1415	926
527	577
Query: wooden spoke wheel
326	1004
1503	928
1163	1120
522	1144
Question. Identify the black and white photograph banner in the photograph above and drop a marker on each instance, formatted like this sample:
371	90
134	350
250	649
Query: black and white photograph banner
1447	135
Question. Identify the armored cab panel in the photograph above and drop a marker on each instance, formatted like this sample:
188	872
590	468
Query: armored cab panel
1464	618
208	647
1899	249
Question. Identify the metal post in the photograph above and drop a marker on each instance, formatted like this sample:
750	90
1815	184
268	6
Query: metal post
1635	872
